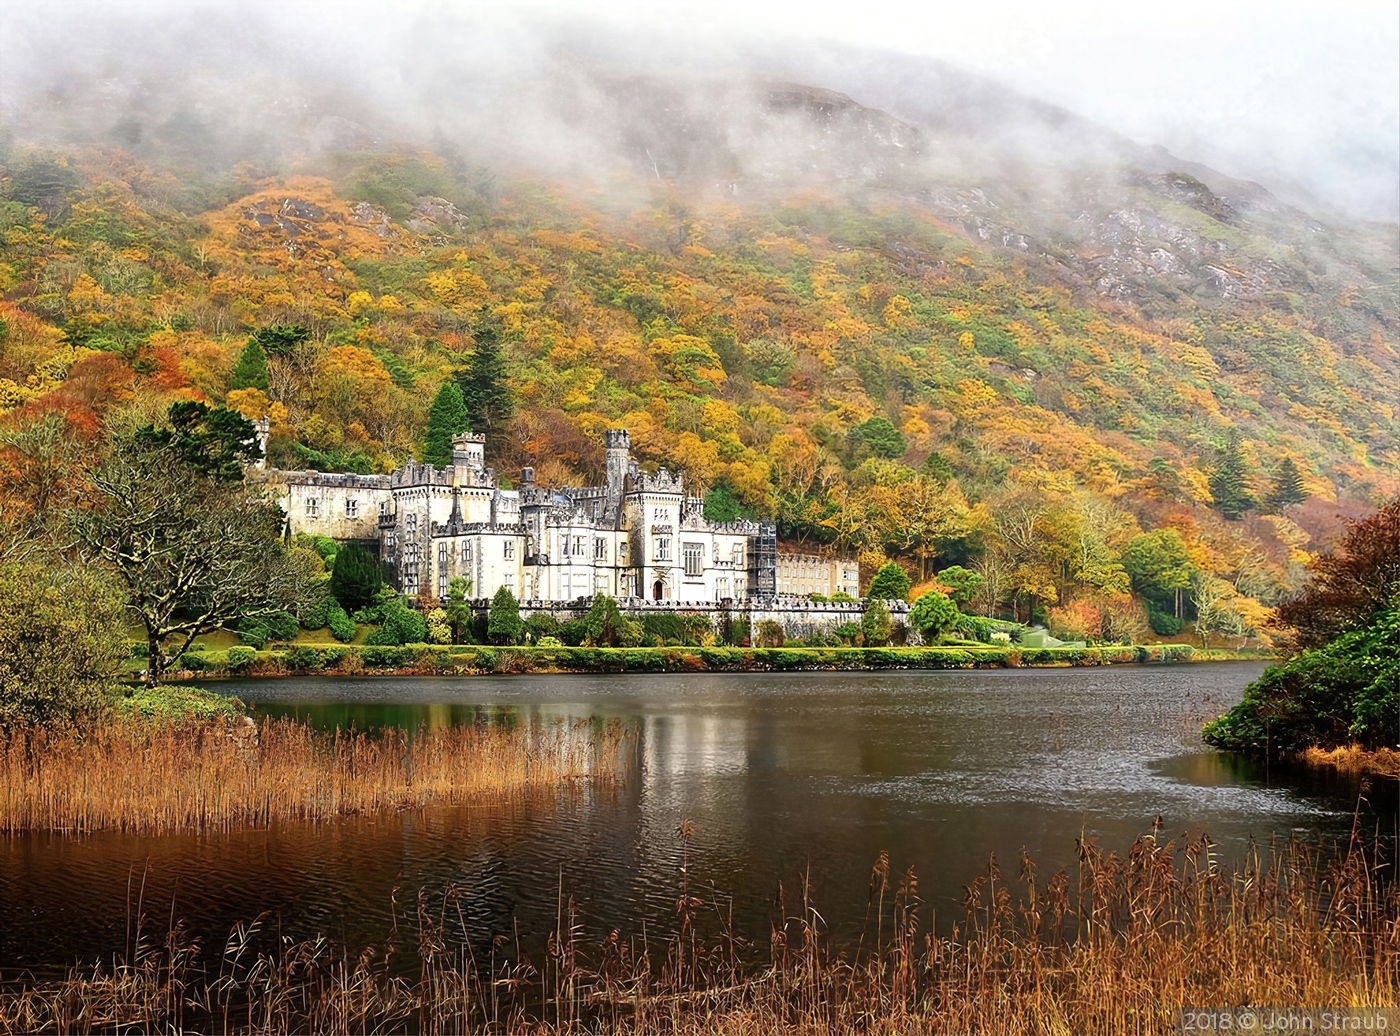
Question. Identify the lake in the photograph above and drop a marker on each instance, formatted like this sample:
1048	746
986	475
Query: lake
786	778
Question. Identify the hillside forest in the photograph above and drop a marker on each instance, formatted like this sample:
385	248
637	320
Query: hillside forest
863	372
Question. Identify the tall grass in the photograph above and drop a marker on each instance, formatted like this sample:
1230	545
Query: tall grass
1113	950
135	775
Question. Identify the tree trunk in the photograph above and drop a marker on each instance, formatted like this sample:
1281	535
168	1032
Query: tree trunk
155	659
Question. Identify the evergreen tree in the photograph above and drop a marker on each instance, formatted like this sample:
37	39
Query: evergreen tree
503	623
875	624
446	417
251	369
483	384
1288	486
1229	488
356	577
891	583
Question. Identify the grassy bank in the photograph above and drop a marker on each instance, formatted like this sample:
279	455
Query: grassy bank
474	659
1383	762
1113	950
132	774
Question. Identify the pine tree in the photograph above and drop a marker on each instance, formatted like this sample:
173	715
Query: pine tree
503	624
1229	489
446	417
483	384
251	369
1288	486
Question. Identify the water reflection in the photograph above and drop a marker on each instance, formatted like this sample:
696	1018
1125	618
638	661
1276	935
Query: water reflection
784	776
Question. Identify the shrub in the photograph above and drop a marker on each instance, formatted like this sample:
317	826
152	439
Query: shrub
439	631
847	632
315	613
548	642
342	627
841	597
1164	624
664	627
241	657
174	702
190	661
933	615
252	633
282	625
356	578
541	625
769	633
304	658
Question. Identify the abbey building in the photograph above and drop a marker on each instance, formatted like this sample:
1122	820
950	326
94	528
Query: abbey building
636	537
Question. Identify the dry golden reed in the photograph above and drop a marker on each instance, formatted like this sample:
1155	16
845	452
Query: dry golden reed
1384	762
1111	952
135	775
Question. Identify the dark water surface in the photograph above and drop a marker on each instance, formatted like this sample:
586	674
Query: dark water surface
782	775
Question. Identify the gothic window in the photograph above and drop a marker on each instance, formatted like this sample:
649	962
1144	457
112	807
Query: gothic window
694	565
466	551
509	549
313	506
663	548
352	507
442	556
413	524
442	584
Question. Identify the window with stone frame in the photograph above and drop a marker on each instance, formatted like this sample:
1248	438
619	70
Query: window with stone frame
663	548
313	506
509	550
600	549
352	507
466	551
737	555
442	584
413	524
694	559
442	555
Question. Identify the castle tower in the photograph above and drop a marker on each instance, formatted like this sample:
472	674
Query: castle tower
618	445
469	451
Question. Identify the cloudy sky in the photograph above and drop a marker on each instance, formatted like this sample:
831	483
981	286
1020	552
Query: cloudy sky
1308	92
1278	91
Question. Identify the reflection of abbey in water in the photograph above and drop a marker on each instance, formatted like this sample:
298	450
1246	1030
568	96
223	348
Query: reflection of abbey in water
638	536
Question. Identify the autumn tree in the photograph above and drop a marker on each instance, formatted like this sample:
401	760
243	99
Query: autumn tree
1349	583
194	548
446	417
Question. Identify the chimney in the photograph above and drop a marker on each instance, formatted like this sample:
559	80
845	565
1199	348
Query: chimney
527	477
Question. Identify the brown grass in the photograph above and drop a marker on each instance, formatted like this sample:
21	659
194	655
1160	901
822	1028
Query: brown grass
1383	762
1114	951
135	775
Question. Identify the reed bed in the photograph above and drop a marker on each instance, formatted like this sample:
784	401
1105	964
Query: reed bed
140	776
1383	762
1112	950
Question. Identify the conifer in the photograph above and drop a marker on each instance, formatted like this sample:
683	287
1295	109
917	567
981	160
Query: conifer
483	384
446	417
1288	486
503	624
250	372
1229	489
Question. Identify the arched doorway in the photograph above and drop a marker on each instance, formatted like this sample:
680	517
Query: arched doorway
656	591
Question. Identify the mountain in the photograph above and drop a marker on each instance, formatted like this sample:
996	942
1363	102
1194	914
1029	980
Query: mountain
900	309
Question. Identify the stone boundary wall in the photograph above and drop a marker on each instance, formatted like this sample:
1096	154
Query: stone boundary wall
799	618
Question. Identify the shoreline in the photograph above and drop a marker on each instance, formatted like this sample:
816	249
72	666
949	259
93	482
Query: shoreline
479	660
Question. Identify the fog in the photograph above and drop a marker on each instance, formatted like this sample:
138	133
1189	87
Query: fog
1302	98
